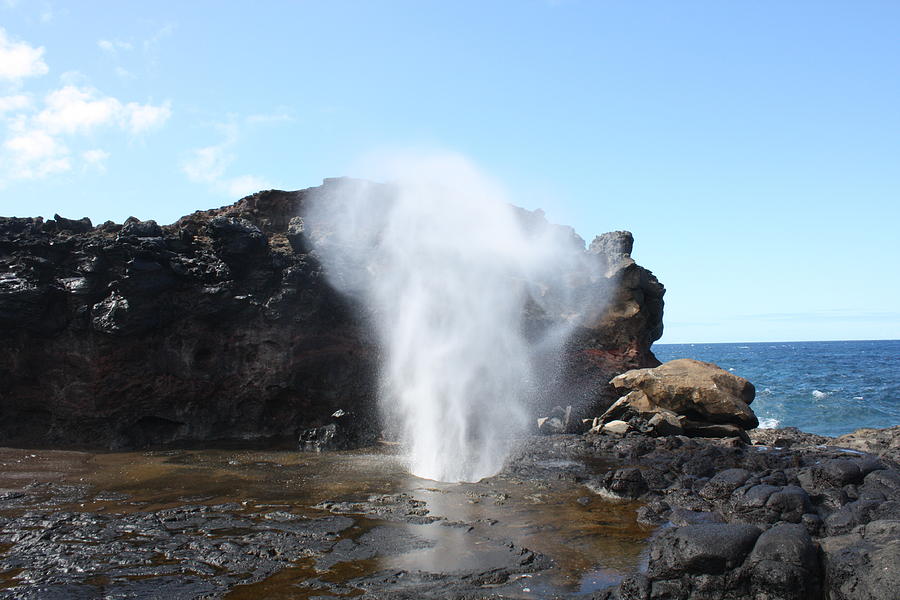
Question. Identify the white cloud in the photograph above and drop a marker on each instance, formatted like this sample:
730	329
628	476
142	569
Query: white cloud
18	60
95	159
37	144
35	154
43	140
14	103
34	145
141	118
71	109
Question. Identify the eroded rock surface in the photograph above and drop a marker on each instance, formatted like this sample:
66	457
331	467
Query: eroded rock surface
222	326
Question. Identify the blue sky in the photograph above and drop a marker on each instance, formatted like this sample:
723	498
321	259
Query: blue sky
752	147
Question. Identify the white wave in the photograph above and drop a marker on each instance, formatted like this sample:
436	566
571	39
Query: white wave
818	395
857	397
769	423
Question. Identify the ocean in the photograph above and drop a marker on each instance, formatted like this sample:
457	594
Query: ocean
829	388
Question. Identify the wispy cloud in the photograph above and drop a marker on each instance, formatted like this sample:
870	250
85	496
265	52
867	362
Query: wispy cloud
210	164
125	74
279	116
95	160
151	44
14	103
114	46
160	34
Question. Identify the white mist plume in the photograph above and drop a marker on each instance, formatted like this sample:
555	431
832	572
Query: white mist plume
447	267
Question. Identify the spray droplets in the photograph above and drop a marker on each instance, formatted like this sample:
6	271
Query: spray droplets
446	267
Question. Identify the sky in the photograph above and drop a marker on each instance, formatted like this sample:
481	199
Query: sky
752	147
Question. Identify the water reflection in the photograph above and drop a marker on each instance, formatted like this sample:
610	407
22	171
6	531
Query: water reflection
592	543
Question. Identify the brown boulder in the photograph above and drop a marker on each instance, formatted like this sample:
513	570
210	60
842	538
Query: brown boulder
700	391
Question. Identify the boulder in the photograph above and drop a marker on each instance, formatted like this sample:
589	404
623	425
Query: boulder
622	484
558	421
687	397
784	564
863	565
723	483
691	387
82	225
138	228
710	548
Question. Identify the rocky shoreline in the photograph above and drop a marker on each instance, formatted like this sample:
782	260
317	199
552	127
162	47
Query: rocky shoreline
221	331
790	516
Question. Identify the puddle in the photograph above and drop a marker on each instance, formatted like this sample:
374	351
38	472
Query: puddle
591	543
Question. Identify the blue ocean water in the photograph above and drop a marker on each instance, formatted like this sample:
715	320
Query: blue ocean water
829	388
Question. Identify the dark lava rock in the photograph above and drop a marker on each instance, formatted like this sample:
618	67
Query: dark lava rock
681	517
711	548
345	431
183	552
81	225
863	565
137	228
784	564
790	503
626	484
222	326
850	515
881	485
723	483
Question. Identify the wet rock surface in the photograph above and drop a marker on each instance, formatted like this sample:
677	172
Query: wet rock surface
225	524
803	520
708	518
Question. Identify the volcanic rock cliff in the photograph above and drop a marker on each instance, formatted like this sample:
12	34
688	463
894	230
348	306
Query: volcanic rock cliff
222	327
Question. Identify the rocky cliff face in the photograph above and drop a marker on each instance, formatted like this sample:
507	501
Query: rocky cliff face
222	327
619	336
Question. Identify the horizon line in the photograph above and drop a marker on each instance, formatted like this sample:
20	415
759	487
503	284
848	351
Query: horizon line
775	342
